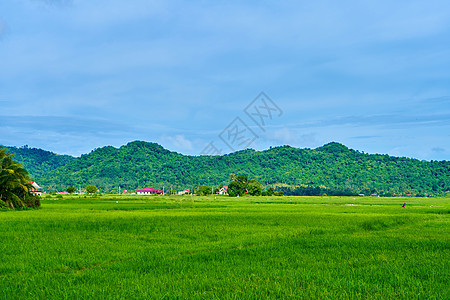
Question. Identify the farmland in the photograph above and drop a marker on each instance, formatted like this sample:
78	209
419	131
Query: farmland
248	247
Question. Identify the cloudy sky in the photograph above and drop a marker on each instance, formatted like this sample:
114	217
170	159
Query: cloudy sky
373	75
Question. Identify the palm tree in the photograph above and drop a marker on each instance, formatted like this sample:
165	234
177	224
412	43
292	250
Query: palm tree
232	177
14	183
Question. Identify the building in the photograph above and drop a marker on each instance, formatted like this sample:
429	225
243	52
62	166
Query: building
35	189
148	191
223	190
184	192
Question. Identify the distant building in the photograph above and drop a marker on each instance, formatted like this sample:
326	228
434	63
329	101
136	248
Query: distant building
35	189
184	192
148	191
223	190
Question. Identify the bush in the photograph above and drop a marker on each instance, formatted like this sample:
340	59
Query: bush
33	201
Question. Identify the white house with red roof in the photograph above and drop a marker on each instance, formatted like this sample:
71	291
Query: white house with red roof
184	192
35	189
223	190
148	191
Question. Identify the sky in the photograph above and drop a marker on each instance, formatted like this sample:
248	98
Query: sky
213	77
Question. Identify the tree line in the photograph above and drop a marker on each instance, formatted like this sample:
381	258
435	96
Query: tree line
330	169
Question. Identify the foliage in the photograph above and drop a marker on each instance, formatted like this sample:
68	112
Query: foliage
37	161
306	190
333	168
203	190
270	192
91	189
15	186
254	188
238	186
71	189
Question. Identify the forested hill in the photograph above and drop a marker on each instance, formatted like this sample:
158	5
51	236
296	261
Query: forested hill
140	164
37	161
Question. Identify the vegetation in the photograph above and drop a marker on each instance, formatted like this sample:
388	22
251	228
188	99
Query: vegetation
167	247
332	169
91	189
37	161
15	186
203	190
240	185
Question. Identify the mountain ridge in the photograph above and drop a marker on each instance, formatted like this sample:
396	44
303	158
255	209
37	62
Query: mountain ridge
38	161
333	165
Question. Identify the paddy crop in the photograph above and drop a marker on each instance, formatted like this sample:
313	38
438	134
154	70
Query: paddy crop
157	247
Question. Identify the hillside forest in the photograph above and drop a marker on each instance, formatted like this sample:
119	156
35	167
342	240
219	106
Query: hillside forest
332	169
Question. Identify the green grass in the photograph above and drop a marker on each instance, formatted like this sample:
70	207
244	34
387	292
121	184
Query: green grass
159	247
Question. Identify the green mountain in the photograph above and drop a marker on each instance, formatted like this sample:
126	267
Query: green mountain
37	161
332	167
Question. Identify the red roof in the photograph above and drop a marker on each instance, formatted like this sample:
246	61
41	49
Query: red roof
149	189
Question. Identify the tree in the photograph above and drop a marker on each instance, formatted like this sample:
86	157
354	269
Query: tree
204	190
235	189
71	189
15	186
239	186
91	189
254	187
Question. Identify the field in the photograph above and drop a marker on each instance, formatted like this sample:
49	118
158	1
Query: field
165	247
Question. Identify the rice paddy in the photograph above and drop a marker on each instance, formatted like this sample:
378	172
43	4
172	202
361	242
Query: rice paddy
165	247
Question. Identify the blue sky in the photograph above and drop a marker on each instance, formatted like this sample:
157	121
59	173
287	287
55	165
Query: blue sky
373	75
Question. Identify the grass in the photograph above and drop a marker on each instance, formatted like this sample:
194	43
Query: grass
165	247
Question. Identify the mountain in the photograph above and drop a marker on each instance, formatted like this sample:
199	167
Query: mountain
37	161
333	166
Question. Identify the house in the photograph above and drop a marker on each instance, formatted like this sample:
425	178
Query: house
223	190
148	191
185	192
35	189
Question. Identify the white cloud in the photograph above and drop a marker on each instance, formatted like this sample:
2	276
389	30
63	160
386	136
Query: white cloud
178	142
285	136
182	70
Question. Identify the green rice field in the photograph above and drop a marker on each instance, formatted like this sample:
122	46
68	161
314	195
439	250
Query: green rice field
188	247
